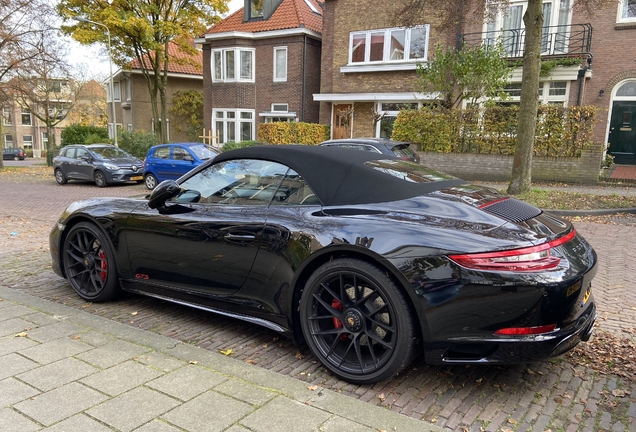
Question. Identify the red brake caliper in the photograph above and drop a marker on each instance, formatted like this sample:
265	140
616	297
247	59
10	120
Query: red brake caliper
104	265
336	322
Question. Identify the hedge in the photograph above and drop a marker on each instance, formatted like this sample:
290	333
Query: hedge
292	133
560	131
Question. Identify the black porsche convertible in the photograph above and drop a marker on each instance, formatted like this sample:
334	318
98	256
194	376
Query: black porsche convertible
369	260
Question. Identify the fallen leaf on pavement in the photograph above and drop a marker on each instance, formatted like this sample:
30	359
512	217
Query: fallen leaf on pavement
226	352
21	334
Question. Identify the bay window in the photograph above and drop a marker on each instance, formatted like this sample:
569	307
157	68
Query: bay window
233	125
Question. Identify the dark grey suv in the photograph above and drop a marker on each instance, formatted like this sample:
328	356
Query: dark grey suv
399	149
102	163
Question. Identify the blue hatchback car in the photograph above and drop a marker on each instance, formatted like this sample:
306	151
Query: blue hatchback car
171	161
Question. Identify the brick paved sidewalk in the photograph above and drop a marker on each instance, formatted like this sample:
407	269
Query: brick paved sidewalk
67	370
554	395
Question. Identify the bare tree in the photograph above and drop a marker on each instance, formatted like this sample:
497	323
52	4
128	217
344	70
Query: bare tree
24	25
47	88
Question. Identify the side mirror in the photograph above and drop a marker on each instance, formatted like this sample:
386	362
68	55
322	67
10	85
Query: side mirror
164	191
188	158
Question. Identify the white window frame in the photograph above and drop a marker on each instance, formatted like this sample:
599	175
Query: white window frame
7	114
387	113
8	143
284	77
237	64
117	91
237	120
555	15
622	4
22	113
387	43
25	141
545	97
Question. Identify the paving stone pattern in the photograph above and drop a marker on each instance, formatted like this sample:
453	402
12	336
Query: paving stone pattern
553	395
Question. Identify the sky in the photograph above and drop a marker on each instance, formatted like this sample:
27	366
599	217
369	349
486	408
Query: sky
95	57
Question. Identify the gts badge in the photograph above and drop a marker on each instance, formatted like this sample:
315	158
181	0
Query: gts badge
142	276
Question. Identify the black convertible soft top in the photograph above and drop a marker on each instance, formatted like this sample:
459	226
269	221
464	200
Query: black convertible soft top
339	176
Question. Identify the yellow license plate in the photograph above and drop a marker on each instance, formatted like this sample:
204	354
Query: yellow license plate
137	178
586	297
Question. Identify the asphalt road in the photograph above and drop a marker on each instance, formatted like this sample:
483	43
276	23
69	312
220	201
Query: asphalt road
556	395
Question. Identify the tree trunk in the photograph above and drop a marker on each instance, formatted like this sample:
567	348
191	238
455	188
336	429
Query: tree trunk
50	144
522	165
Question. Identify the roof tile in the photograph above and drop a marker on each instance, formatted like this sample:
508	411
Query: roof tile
289	14
193	67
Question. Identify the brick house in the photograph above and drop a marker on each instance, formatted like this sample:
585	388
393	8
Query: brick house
261	64
605	75
369	66
133	109
20	128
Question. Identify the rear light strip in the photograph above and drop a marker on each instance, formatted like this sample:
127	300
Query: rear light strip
529	259
526	330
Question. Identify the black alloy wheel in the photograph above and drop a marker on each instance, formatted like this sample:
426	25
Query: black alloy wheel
357	322
100	179
59	177
89	263
151	181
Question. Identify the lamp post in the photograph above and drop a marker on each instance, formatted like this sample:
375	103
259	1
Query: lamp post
110	61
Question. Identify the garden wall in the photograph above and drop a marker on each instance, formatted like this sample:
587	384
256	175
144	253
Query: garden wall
488	167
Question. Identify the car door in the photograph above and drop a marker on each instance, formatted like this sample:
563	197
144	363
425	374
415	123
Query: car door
182	162
159	163
68	163
206	239
83	164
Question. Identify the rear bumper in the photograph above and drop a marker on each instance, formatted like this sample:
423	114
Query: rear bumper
514	349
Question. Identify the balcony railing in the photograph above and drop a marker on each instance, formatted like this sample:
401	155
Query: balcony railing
559	41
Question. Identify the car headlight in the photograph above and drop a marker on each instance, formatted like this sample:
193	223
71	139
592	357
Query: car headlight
111	167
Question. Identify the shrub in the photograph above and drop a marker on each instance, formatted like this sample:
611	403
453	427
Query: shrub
231	145
293	133
137	143
493	129
82	134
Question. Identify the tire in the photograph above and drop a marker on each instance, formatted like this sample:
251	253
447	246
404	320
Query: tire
59	177
151	181
100	179
89	263
15	158
362	335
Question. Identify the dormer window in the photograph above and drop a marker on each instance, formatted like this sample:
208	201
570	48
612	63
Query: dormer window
256	9
259	9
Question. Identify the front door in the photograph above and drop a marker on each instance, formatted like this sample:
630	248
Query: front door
342	119
622	134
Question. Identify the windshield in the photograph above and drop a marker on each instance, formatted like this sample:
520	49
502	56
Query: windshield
403	151
109	152
204	151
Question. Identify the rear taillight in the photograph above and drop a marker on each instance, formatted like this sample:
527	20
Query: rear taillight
526	330
533	258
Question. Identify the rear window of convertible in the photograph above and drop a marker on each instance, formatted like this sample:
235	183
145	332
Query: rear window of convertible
408	171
